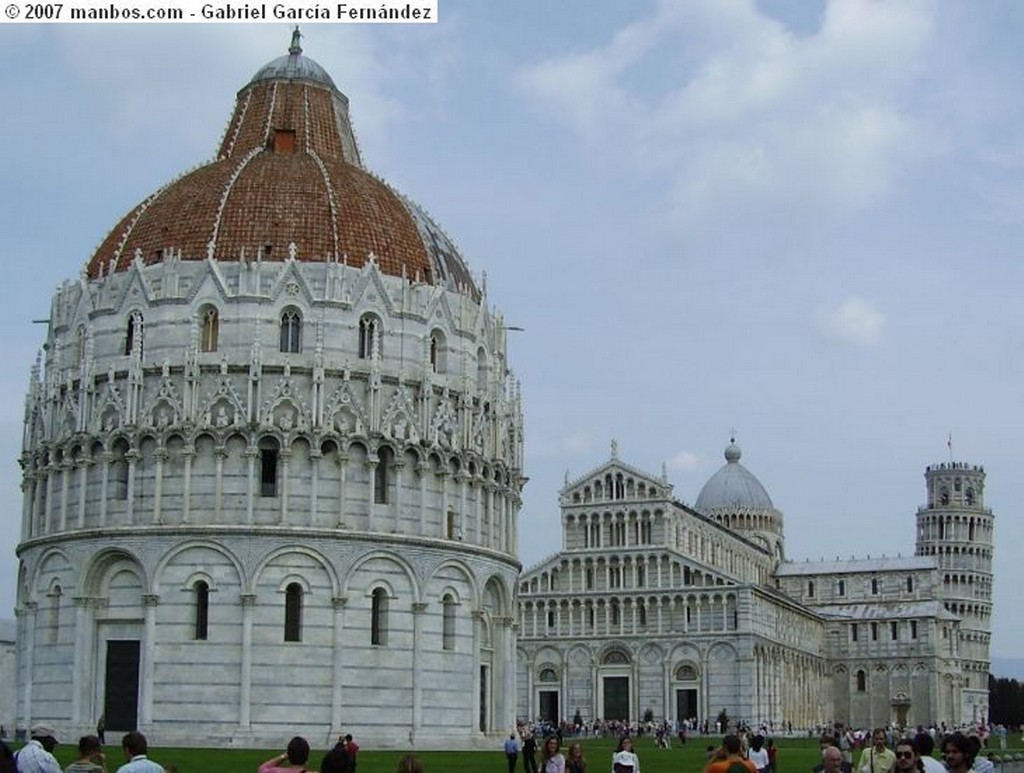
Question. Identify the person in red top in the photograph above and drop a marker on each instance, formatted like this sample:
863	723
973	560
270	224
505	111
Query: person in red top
352	748
730	755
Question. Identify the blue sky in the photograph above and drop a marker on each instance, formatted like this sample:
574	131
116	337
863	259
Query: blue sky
797	220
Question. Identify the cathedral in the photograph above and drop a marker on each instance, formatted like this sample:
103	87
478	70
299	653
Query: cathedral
654	608
272	458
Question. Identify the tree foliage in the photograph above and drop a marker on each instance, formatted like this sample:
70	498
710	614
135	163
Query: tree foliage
1005	702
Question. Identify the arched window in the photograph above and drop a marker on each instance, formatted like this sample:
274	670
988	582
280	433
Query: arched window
118	475
862	681
268	467
450	529
448	623
209	332
202	611
133	334
910	584
810	589
381	475
369	337
842	588
291	331
969	496
481	369
438	358
379	617
293	612
53	625
80	337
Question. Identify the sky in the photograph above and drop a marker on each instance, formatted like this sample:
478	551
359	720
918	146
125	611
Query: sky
798	222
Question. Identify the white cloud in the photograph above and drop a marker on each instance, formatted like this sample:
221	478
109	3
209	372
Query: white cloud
854	321
687	461
757	112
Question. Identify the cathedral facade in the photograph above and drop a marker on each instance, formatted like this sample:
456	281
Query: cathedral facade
654	608
272	459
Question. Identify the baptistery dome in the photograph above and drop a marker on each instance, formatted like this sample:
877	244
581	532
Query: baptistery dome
274	431
287	181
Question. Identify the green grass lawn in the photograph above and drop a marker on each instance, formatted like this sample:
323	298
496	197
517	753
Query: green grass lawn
796	755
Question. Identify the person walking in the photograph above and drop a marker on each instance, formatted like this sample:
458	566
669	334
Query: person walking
530	754
877	758
511	752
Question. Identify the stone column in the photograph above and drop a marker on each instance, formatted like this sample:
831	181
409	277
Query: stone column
422	468
373	465
479	621
219	454
396	506
83	489
250	453
108	459
669	712
158	484
65	471
149	601
132	457
338	664
245	671
343	474
48	504
285	459
28	612
82	665
315	456
188	453
418	608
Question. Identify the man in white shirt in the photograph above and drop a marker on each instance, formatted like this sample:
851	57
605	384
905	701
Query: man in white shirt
37	755
135	750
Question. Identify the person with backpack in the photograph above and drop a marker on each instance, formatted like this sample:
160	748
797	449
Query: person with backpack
730	759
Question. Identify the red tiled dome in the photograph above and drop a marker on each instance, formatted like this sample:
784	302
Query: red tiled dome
288	172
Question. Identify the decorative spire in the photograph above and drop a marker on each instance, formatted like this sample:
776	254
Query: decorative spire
295	48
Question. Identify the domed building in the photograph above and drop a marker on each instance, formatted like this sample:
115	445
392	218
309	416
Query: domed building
655	608
735	498
272	458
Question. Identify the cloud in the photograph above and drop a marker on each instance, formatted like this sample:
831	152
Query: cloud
686	461
854	321
753	111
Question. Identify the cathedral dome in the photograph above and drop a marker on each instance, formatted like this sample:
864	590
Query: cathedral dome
733	487
287	182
